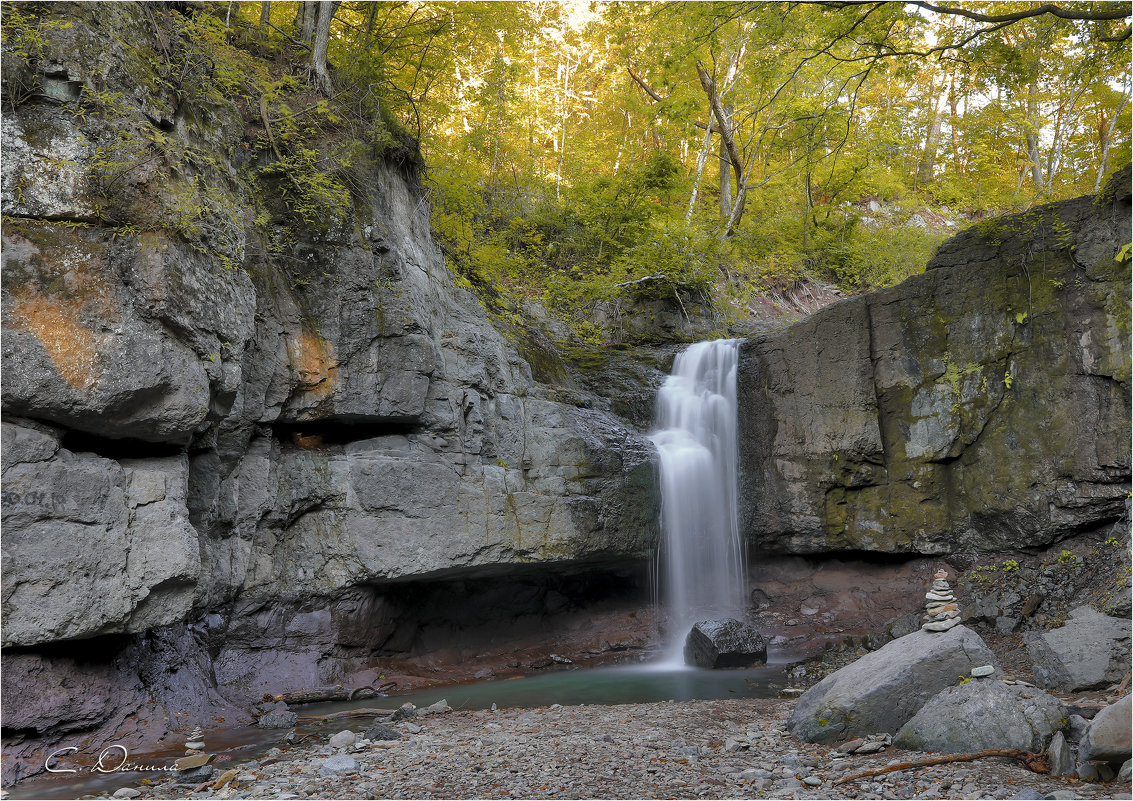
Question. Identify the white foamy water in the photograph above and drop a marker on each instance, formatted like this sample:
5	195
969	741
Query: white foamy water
702	557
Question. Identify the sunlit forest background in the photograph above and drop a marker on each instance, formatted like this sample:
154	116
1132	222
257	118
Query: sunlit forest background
578	152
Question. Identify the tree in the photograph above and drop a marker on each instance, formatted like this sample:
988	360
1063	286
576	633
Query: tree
324	15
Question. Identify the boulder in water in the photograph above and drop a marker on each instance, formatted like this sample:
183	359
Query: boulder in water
724	643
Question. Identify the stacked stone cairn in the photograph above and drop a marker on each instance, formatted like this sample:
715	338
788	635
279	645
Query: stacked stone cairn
195	743
941	609
194	767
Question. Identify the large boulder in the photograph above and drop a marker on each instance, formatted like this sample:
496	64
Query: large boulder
980	714
1090	651
1109	736
724	643
885	688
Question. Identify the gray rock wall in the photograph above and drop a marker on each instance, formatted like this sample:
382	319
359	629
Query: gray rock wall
241	428
981	406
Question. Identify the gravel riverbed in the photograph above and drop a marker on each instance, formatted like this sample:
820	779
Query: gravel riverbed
695	749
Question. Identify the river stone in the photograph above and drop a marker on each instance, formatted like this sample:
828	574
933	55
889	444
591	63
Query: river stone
1109	734
406	711
1089	652
380	731
885	688
343	739
338	765
1058	754
278	719
982	670
1077	727
194	776
983	714
441	707
194	761
724	643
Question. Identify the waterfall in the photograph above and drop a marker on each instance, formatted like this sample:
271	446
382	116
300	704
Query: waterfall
701	570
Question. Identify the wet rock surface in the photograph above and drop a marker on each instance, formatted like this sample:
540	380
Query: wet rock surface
724	643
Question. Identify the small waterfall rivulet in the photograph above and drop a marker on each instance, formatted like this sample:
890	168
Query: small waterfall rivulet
701	571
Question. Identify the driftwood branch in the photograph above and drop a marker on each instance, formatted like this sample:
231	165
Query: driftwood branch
361	712
1036	762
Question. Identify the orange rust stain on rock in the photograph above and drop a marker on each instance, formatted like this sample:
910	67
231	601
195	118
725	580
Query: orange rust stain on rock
72	347
312	360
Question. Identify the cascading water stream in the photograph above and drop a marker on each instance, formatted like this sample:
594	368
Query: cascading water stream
702	557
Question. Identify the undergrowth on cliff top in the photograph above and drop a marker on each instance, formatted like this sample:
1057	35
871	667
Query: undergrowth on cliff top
303	158
593	191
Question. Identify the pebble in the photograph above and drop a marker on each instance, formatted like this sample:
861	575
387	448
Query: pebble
675	750
127	792
982	670
338	765
343	739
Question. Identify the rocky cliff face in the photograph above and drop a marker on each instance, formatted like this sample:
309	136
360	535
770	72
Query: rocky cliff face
227	444
981	406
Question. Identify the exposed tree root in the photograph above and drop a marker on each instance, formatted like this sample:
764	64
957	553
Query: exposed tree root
1035	762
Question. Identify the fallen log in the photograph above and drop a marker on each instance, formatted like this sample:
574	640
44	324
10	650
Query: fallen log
336	693
361	712
1035	762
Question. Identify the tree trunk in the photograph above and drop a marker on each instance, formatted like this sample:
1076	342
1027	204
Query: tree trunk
701	158
265	12
927	165
326	9
1107	137
305	20
1032	135
954	124
725	174
563	127
729	145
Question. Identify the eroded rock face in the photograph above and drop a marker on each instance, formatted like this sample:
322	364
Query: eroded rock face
1089	651
946	413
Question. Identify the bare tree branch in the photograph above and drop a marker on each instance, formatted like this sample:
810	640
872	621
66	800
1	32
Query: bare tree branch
1016	16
